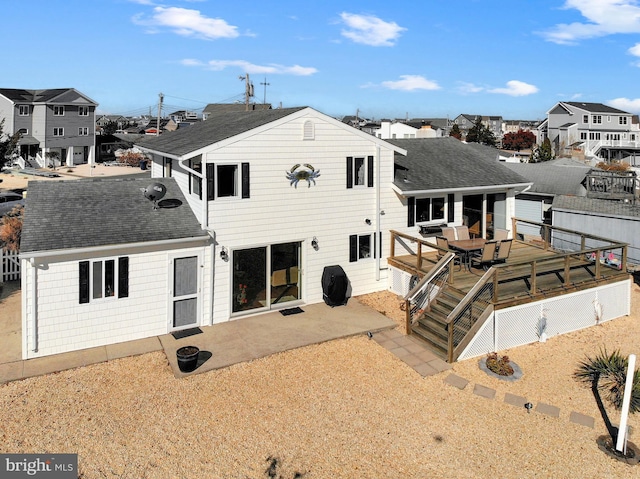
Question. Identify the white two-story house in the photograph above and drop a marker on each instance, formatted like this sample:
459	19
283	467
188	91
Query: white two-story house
590	130
56	125
258	204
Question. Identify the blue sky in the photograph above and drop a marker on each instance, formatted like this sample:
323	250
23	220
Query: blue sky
429	58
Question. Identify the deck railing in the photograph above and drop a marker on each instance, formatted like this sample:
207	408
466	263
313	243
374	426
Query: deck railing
419	298
416	247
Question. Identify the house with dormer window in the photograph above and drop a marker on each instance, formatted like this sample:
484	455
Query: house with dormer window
590	130
52	123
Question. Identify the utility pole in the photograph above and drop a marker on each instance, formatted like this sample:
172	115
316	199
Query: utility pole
264	98
160	99
248	90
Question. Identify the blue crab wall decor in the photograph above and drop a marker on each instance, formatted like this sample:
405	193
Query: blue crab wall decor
309	174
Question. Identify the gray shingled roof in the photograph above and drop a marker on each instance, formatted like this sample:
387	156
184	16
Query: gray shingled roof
594	107
553	178
36	96
216	128
446	163
102	212
605	207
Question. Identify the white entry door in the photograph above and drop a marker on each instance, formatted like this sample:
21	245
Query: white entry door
185	293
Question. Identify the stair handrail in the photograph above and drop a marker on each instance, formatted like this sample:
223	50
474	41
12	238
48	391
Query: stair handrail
464	305
427	284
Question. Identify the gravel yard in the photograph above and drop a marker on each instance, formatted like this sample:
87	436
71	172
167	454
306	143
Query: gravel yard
342	409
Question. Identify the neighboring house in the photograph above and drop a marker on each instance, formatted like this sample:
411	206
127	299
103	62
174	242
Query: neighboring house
151	128
465	122
406	129
601	218
121	121
590	130
513	126
275	196
60	121
184	116
550	179
446	182
107	145
98	269
217	108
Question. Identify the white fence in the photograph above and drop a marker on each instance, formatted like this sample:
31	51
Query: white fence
9	266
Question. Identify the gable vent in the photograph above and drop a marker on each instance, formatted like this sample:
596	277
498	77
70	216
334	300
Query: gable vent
308	132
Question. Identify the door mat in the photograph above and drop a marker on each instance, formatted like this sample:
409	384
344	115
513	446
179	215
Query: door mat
185	333
287	312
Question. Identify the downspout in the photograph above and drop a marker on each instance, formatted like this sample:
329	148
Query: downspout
205	220
34	305
378	214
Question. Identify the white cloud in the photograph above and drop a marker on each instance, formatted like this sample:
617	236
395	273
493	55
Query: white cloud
516	88
189	23
411	83
247	67
603	17
466	88
626	104
370	30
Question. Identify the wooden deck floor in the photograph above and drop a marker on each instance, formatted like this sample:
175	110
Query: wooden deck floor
514	278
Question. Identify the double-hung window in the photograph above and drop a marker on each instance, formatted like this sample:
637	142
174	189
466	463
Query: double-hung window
58	131
430	209
83	111
58	110
596	119
359	171
24	110
103	279
83	131
622	120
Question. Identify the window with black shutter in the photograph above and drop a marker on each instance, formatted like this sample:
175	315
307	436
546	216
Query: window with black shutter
211	181
411	213
349	171
353	248
451	207
84	282
370	171
123	277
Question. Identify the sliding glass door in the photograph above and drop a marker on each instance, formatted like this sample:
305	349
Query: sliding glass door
265	277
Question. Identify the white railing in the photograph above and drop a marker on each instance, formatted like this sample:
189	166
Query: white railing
9	266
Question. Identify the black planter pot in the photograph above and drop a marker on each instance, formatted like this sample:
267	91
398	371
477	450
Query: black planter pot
187	358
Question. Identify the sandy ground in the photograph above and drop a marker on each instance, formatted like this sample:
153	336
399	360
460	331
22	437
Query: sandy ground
342	409
14	179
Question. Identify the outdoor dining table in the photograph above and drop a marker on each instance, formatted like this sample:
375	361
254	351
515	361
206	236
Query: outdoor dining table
467	248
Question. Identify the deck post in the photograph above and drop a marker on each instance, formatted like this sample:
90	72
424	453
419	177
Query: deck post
392	251
534	286
450	342
567	271
582	242
407	317
598	264
419	256
495	285
623	259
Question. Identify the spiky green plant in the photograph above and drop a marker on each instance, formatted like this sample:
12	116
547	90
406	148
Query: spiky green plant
608	373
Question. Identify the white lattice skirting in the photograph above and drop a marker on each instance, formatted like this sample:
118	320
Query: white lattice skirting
520	325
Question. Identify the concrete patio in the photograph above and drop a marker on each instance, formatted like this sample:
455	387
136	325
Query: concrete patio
225	344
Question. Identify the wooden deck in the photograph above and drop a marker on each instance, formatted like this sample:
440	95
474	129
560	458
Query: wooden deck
530	273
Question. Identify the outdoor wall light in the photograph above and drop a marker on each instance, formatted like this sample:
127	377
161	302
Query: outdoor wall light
314	243
367	221
224	256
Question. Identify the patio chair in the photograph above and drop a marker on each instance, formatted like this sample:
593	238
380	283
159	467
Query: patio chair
462	232
449	233
500	234
443	242
503	251
486	257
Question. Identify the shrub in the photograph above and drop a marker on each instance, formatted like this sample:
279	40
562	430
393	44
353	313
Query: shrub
499	365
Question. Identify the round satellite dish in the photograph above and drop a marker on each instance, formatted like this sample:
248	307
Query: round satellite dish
155	191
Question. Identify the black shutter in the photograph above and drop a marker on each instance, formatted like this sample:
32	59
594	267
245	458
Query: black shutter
380	236
451	207
84	282
353	248
190	177
370	171
349	171
123	277
411	218
211	181
245	180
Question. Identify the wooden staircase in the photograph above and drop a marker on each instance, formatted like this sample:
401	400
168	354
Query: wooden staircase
431	327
